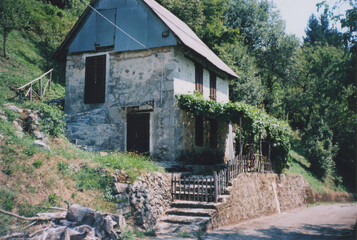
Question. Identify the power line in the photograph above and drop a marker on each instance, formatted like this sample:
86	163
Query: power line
127	34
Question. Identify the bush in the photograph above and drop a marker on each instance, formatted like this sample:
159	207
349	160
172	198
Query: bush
319	150
52	118
37	163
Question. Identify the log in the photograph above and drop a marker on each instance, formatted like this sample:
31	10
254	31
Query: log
12	235
39	217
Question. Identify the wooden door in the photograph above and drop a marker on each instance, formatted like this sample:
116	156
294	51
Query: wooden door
138	132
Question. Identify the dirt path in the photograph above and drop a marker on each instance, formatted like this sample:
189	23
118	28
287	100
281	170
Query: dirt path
334	221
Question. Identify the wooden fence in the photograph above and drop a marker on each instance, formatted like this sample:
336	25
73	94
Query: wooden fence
209	188
30	92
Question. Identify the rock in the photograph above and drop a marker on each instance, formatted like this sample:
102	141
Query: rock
82	232
39	135
108	224
41	144
120	220
17	125
19	134
3	117
103	154
74	167
13	107
121	187
60	233
76	213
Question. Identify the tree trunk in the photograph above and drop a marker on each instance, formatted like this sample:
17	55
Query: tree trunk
4	43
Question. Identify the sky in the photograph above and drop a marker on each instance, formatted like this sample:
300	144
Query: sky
296	14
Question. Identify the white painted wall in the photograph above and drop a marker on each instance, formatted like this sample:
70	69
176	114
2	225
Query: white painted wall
184	82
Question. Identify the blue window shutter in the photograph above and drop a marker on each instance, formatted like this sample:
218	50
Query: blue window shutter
104	30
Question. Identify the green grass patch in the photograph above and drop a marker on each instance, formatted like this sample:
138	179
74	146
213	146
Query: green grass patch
300	165
134	165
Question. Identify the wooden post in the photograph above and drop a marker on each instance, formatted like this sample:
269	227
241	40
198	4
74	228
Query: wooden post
49	86
40	85
240	137
260	153
20	96
31	92
215	186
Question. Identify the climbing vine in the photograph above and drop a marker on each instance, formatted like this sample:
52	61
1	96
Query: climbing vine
256	123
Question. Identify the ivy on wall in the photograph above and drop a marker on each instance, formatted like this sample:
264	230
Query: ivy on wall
256	123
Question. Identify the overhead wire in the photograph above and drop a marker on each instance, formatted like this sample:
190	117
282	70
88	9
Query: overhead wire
116	26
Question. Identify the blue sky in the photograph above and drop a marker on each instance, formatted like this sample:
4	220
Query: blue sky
296	13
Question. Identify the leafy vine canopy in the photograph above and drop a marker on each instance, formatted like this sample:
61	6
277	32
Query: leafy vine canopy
256	123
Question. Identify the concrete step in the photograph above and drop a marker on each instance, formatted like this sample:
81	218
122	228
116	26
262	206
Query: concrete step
194	204
195	212
185	219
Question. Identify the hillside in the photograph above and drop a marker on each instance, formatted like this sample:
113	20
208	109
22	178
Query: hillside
32	178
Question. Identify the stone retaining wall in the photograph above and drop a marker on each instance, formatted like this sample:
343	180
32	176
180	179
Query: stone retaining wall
252	195
146	199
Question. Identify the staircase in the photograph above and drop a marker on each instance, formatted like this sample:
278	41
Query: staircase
186	217
196	198
192	207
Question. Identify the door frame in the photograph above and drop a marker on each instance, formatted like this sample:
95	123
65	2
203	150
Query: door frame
132	109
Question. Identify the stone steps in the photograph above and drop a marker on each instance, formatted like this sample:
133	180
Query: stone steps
192	212
194	204
185	219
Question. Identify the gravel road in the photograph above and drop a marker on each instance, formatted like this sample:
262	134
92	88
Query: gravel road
333	221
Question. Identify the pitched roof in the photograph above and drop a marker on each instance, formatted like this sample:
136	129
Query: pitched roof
179	28
188	37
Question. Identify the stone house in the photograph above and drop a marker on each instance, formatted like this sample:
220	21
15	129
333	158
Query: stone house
125	62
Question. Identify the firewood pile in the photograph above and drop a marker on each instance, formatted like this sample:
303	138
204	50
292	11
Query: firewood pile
76	222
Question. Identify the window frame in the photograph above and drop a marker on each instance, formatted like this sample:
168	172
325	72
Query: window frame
199	78
87	99
213	86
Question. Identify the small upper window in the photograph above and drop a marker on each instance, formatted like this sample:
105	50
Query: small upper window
213	86
199	78
94	88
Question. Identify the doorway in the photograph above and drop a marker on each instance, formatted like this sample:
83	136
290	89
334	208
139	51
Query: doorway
138	132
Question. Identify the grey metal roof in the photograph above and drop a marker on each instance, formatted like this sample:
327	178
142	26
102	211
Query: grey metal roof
188	37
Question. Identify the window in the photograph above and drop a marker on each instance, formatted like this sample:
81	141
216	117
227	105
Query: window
213	134
199	78
199	131
94	88
212	86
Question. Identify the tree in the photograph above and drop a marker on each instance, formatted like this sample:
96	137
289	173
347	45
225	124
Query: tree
13	15
189	11
319	31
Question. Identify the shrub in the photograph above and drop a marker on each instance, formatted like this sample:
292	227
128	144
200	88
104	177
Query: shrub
52	119
37	163
319	150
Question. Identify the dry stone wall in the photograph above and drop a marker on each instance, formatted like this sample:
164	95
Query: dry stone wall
146	199
252	195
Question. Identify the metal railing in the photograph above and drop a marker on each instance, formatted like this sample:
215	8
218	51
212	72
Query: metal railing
209	188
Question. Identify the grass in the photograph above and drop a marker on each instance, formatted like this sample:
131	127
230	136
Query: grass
300	165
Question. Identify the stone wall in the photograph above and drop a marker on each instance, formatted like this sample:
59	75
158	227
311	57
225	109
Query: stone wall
146	199
252	195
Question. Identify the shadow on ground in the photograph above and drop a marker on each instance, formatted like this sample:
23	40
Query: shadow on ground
305	232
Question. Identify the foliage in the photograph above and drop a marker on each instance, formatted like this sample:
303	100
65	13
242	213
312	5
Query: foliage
13	15
319	31
317	141
52	119
256	123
